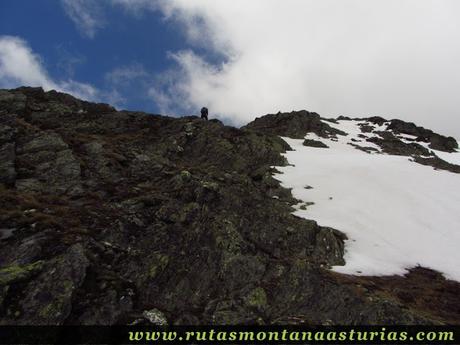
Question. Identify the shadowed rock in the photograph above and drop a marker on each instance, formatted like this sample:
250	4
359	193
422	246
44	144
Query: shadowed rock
125	216
314	143
295	124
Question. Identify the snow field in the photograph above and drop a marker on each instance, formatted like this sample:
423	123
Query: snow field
396	213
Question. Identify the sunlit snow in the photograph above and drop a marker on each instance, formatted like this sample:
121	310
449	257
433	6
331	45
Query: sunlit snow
396	213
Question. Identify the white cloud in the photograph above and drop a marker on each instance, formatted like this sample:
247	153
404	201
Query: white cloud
86	15
162	99
394	58
79	90
19	66
137	5
126	74
121	80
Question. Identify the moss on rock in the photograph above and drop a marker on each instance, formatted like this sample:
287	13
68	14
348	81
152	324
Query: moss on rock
16	273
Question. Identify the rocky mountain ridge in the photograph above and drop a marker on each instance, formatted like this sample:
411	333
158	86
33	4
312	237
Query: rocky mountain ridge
395	137
123	217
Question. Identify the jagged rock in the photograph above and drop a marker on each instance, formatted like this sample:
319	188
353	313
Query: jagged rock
7	168
6	233
438	163
107	310
378	120
238	271
437	141
332	249
16	273
26	252
155	317
228	312
295	125
48	299
12	101
176	216
7	149
392	145
366	128
47	141
366	149
45	162
314	143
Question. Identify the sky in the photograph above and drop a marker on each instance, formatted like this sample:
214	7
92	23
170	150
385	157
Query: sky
242	59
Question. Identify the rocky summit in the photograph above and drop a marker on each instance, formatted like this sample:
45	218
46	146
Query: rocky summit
117	217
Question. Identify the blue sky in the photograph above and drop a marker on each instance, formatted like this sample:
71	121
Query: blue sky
138	41
240	58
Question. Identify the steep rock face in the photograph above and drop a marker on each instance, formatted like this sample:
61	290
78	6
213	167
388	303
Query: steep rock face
7	150
44	162
437	141
294	124
113	217
297	124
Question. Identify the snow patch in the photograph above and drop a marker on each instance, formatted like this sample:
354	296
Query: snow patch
397	214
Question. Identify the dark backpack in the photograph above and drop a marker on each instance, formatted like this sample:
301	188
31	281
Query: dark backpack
204	113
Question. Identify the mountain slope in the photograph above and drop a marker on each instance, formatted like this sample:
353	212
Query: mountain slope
396	213
118	217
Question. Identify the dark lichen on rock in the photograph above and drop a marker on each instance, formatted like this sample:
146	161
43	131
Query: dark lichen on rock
166	220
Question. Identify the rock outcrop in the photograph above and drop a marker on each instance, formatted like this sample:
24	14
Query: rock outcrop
123	217
437	141
297	124
294	124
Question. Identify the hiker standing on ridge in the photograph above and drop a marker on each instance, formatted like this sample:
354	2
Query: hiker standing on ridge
204	113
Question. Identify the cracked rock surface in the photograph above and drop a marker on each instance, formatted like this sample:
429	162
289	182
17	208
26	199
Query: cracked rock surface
125	216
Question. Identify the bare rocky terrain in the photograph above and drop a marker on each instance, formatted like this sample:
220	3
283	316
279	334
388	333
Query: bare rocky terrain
116	217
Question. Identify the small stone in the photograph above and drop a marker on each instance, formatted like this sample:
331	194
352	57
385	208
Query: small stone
32	210
185	175
155	317
6	233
